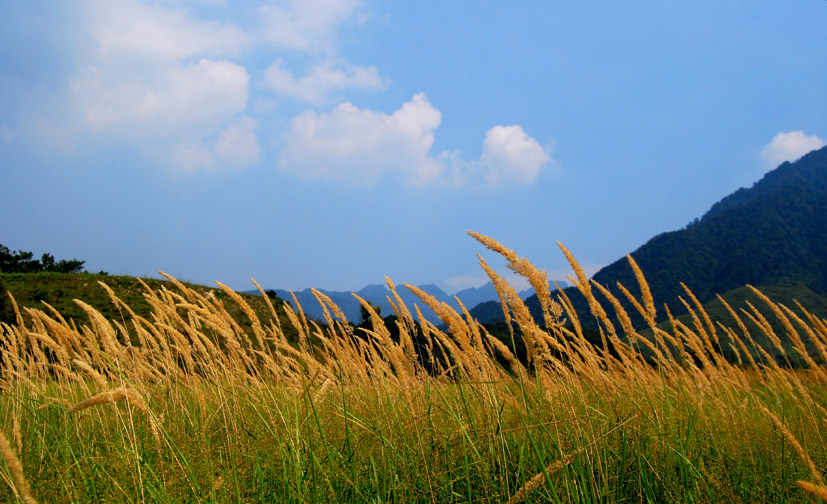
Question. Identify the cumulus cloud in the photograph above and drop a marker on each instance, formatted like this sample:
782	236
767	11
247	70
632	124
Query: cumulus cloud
510	156
789	147
306	25
321	80
358	146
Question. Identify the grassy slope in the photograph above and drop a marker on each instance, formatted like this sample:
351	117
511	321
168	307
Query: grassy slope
60	290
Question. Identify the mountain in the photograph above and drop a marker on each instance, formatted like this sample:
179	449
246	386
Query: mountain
772	234
377	294
473	296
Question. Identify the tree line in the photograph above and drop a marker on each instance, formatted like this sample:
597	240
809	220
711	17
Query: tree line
19	261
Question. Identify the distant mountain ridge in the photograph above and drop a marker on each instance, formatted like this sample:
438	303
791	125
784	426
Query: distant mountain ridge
377	294
774	233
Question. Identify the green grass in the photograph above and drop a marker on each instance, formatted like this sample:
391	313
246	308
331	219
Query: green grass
463	443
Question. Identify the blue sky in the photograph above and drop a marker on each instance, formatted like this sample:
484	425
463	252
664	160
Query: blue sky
331	143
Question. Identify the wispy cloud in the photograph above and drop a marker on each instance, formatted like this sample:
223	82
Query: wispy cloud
310	26
192	156
165	81
137	31
789	147
309	31
237	144
198	95
321	80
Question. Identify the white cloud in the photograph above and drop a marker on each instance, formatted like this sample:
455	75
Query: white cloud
238	144
510	156
199	95
160	78
310	30
192	156
357	145
173	85
321	79
306	25
125	28
140	80
789	147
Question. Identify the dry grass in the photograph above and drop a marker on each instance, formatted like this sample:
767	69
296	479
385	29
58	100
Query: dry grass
341	400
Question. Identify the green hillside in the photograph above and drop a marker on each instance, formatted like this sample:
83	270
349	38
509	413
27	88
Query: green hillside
59	290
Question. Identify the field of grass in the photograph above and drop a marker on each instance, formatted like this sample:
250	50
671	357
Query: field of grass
192	401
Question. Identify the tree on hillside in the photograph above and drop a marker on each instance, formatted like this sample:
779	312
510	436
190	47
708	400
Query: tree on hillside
272	294
17	261
22	262
365	315
63	266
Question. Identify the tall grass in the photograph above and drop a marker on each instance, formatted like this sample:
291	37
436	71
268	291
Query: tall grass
189	406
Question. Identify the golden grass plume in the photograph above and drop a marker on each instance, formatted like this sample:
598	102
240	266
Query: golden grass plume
16	471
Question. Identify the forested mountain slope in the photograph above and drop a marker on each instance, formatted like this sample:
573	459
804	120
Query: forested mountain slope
774	233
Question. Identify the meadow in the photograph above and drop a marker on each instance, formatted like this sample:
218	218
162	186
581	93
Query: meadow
193	404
